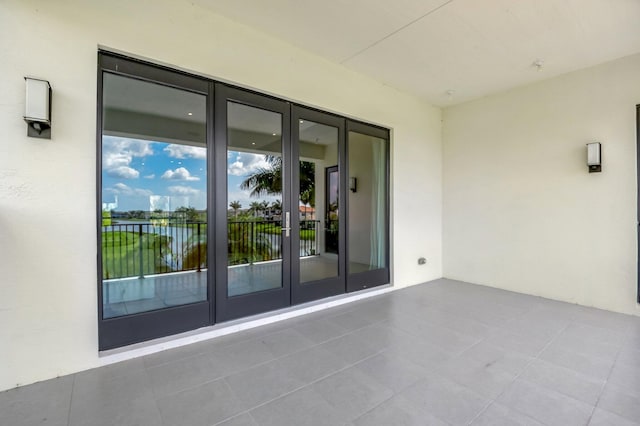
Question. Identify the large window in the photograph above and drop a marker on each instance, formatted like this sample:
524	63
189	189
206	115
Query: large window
154	196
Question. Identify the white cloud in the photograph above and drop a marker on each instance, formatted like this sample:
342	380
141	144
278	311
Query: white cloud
118	153
151	176
186	151
247	163
183	190
123	172
180	173
122	189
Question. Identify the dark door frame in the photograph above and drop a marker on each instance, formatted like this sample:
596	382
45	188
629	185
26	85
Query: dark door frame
120	331
638	195
301	293
328	171
228	308
367	279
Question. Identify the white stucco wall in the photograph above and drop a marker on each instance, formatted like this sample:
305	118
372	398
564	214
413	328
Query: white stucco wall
521	211
48	303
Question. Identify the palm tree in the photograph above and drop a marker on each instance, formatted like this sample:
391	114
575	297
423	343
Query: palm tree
268	180
264	206
235	205
277	206
255	207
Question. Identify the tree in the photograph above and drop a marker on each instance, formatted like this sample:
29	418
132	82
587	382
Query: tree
268	180
255	207
277	206
235	205
190	213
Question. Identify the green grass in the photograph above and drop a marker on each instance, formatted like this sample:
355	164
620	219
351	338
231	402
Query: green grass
307	234
121	252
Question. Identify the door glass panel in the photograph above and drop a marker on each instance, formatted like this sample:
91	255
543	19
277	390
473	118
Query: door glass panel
254	194
367	202
318	201
154	197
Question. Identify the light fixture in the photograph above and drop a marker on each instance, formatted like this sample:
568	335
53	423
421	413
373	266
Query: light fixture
353	184
37	112
189	113
253	143
538	63
273	134
594	157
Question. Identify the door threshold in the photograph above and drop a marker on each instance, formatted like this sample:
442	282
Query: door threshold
149	347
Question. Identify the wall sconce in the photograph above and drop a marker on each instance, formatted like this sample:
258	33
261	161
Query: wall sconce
38	108
594	157
353	184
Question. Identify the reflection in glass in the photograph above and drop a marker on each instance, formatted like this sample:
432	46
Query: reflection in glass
367	202
154	204
254	191
318	201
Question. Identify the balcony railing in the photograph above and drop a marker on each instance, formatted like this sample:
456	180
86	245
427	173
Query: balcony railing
137	249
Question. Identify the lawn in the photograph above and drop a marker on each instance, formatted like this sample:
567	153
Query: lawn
122	252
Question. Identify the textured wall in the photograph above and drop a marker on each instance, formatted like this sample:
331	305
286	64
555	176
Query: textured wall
521	211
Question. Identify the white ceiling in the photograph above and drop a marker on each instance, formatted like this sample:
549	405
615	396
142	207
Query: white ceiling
432	47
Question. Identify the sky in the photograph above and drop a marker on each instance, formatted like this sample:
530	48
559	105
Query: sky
147	175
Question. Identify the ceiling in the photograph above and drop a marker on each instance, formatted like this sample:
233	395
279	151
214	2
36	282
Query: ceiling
449	51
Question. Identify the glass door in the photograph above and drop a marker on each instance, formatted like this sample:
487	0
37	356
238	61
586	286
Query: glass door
318	150
368	206
254	212
153	181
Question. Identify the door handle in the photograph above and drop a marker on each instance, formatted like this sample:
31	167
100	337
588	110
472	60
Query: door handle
287	224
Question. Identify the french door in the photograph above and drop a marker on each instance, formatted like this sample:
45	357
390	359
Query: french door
217	203
253	172
272	216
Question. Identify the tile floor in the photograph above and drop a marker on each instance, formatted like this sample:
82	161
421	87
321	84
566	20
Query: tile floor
440	353
134	295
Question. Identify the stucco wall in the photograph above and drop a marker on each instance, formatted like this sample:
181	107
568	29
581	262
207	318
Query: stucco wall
48	303
521	211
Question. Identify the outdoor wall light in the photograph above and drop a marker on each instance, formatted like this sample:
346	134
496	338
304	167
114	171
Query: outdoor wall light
38	108
594	157
353	184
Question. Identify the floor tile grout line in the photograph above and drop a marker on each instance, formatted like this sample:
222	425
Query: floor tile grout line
73	386
398	392
253	366
299	387
155	404
533	359
379	404
206	351
606	381
255	329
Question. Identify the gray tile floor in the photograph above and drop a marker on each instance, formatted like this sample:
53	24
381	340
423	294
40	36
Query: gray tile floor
133	295
441	353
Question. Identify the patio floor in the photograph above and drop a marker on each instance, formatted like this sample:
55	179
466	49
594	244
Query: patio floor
440	353
133	295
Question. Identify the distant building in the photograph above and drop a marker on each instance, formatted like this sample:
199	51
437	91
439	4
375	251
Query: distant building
307	213
107	207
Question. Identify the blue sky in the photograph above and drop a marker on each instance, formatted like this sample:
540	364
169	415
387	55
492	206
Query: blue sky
145	175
